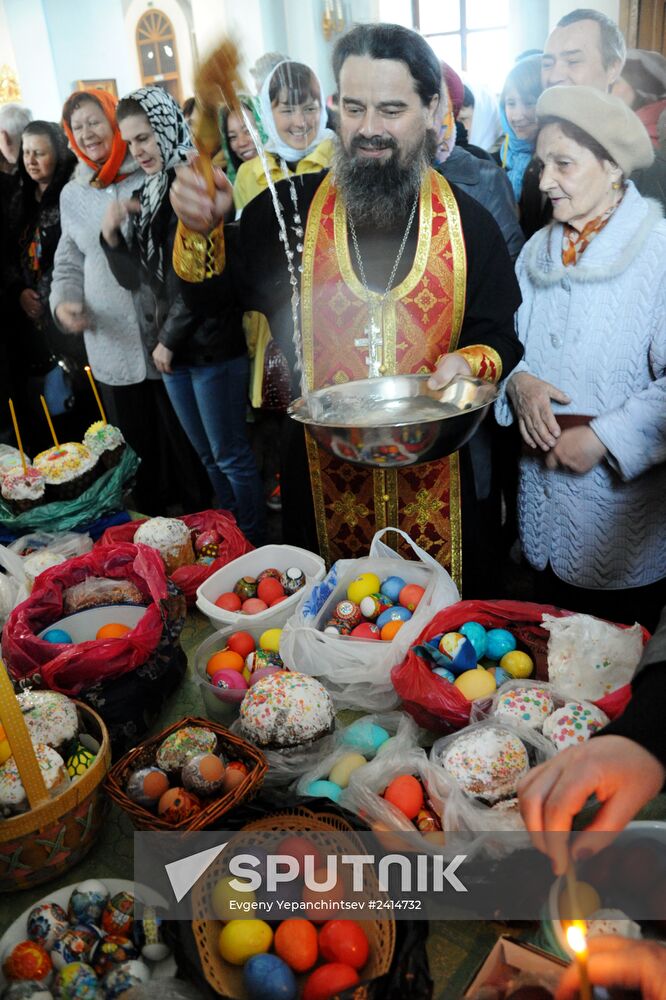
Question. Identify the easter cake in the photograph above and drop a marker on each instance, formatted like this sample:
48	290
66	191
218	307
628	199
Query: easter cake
529	706
487	762
170	537
51	718
13	798
21	490
68	470
573	724
105	441
286	709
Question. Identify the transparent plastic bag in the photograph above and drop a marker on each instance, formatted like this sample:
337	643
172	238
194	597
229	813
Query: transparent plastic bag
288	764
41	550
589	659
357	672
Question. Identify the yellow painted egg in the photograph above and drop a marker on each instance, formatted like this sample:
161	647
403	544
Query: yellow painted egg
241	939
224	893
363	586
5	749
587	900
342	771
270	640
79	762
476	683
517	664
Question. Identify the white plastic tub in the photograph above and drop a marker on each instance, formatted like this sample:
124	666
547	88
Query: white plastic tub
84	625
280	557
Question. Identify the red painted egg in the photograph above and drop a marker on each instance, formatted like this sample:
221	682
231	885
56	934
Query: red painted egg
267	574
270	589
406	794
229	602
410	595
177	804
28	960
296	943
241	643
299	848
366	630
235	773
253	606
279	600
344	941
324	902
329	980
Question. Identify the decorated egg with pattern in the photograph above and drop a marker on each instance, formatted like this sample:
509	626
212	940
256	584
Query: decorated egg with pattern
77	944
87	902
118	915
124	977
46	923
112	951
28	960
77	981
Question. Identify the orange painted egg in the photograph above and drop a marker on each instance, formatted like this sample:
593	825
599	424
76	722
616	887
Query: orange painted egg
226	659
406	794
177	804
390	630
344	941
410	595
296	944
325	901
114	630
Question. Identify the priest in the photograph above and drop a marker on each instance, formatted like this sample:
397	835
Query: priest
399	273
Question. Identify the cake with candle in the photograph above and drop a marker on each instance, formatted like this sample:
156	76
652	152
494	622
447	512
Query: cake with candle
105	441
10	458
68	470
22	490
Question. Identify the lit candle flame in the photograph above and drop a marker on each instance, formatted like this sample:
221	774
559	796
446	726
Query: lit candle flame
576	939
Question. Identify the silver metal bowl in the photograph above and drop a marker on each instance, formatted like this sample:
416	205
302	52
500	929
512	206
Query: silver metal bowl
394	421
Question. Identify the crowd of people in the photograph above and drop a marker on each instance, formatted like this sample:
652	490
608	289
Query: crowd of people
428	227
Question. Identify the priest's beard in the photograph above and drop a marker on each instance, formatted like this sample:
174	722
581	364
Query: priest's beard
380	193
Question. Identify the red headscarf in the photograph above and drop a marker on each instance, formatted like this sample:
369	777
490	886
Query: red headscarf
108	173
455	87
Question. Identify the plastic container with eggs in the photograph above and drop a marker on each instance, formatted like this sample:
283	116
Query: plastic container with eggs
621	890
280	557
221	704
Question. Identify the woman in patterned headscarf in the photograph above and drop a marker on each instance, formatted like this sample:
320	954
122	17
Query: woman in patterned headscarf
203	361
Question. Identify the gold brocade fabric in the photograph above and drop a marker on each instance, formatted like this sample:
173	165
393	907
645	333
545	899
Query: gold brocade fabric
197	257
421	319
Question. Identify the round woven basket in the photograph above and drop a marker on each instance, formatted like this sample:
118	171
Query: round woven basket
227	979
56	833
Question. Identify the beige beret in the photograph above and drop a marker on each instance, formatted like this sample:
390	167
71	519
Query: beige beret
606	118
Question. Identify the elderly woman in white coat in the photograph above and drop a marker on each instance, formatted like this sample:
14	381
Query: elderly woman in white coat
86	299
590	393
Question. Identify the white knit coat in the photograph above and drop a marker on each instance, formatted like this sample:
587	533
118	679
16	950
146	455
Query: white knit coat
597	331
81	274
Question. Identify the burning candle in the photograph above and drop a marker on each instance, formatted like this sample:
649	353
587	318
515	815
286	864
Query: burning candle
577	941
96	393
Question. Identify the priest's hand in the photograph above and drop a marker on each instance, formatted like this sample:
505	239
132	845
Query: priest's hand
448	365
578	450
194	206
621	963
622	775
531	398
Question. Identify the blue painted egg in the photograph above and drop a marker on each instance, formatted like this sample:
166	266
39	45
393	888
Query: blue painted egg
459	650
46	923
500	642
366	736
87	902
57	635
395	614
323	789
392	587
77	981
446	674
267	977
476	634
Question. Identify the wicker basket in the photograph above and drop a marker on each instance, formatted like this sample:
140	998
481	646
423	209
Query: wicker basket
144	756
226	979
57	832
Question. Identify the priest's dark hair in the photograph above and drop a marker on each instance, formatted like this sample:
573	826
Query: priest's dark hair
392	41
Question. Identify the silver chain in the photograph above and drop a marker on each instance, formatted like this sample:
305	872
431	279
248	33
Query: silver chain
361	270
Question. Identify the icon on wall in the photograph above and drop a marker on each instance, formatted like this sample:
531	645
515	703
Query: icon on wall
108	85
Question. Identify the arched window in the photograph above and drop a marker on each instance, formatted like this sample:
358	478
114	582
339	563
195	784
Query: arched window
158	55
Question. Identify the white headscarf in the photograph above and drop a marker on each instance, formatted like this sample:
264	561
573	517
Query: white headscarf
275	144
486	125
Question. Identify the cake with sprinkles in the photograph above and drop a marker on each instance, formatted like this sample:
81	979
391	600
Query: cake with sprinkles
21	490
13	798
105	441
68	470
286	709
51	718
573	724
529	706
180	747
487	762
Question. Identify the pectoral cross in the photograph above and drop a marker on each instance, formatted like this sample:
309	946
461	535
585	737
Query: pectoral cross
374	341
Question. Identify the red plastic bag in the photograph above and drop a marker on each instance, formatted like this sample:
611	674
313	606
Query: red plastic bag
437	705
232	544
72	668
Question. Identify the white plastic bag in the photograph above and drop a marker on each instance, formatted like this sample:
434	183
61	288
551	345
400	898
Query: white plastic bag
13	583
41	550
403	733
357	672
588	658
